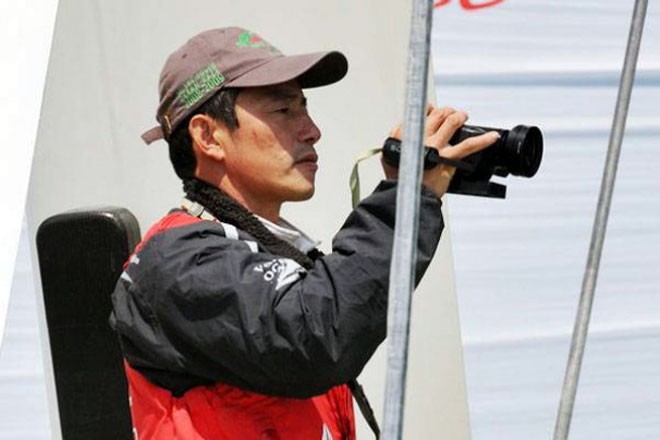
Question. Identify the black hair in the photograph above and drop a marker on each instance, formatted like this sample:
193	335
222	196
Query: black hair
221	107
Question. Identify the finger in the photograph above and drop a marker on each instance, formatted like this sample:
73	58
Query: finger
396	131
470	145
446	130
435	119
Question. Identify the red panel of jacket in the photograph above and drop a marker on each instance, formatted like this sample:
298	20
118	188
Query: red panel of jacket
224	412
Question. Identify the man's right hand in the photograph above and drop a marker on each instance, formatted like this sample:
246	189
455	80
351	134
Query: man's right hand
440	126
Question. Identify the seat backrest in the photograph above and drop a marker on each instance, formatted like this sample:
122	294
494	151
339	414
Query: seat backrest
81	256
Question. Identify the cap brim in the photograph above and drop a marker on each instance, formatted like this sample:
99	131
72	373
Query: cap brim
311	70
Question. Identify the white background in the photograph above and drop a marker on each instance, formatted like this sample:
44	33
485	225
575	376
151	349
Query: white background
26	30
519	262
25	36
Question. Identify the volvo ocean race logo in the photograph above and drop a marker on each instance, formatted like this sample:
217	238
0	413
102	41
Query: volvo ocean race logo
281	271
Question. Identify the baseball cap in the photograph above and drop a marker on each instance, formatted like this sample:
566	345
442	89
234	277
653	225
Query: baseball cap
232	57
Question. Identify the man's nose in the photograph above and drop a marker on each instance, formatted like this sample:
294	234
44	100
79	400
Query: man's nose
309	132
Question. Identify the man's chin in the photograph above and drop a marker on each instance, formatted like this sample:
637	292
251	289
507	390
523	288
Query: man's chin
301	194
305	196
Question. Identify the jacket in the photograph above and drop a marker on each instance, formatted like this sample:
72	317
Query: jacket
223	340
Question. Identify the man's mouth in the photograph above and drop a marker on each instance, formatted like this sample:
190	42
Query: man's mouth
308	159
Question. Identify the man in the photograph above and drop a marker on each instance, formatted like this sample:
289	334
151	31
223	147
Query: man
232	324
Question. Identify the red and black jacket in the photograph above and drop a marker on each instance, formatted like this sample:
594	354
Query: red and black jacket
224	340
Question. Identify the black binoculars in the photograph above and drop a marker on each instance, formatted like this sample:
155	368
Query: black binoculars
518	152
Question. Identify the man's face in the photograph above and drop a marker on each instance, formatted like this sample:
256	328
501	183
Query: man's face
270	158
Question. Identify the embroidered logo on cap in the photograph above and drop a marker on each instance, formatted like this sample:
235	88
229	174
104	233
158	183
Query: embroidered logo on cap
254	41
202	82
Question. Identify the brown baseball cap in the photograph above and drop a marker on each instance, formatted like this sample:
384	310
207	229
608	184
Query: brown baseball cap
232	57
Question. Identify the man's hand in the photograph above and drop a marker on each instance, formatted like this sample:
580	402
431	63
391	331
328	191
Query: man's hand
440	126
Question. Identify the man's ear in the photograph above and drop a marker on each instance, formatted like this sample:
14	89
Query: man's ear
206	139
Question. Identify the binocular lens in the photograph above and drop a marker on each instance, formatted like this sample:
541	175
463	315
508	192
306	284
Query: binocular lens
523	150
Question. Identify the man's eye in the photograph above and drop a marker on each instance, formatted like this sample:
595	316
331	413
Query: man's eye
283	110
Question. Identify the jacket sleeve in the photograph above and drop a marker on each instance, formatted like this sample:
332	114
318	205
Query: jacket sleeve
196	302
